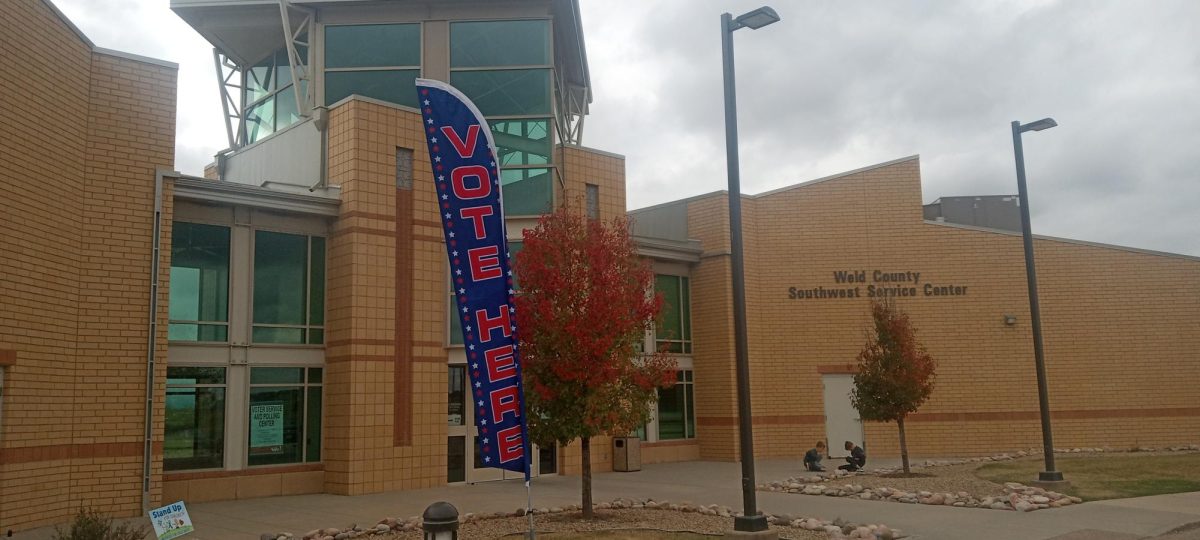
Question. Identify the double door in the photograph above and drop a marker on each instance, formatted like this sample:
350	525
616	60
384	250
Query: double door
463	460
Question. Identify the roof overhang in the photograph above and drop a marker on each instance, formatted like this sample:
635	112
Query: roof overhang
244	30
190	188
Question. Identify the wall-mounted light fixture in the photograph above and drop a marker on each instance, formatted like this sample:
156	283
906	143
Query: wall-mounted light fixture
1010	320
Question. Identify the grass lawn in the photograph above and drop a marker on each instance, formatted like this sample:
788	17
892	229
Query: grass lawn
1108	476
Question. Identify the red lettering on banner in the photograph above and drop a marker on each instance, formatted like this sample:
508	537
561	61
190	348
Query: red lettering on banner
458	179
500	363
485	263
510	444
486	324
505	400
464	149
476	215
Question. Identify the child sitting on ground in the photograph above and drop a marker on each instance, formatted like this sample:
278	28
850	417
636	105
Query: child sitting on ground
812	458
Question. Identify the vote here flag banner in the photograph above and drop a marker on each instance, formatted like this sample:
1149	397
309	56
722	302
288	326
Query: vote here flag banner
467	177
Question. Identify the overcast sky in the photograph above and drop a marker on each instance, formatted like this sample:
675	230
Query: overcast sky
838	85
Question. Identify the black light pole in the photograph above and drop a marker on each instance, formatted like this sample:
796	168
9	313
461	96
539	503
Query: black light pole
1039	358
750	520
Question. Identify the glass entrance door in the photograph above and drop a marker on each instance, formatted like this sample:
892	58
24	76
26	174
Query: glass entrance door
463	460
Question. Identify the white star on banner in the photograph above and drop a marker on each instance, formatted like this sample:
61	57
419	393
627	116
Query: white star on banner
461	291
481	403
437	159
472	347
468	328
475	365
458	272
465	309
444	196
478	384
430	121
483	421
427	102
510	272
487	459
513	328
447	215
433	140
451	235
492	163
485	440
455	253
441	178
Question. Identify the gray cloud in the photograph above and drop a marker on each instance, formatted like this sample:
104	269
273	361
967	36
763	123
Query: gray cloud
840	85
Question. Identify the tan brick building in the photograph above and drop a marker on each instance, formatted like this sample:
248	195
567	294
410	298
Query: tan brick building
1121	326
298	341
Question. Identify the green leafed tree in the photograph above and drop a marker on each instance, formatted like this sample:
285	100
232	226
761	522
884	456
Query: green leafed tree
584	306
895	372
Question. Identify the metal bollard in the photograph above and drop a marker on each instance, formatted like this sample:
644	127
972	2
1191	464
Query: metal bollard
440	521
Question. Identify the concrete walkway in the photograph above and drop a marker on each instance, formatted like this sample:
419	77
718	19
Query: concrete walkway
702	483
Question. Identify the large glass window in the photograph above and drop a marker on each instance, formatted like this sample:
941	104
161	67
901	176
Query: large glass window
199	291
289	288
500	43
285	415
377	61
676	413
194	431
270	100
673	332
505	68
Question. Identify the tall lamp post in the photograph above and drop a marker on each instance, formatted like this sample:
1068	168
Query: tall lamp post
1039	358
750	520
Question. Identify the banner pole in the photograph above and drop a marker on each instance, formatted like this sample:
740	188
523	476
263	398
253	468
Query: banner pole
529	510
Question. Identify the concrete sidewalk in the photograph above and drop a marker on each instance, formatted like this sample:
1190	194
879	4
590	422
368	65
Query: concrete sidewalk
702	483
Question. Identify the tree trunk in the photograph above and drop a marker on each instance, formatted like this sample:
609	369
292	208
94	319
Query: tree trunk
586	447
903	445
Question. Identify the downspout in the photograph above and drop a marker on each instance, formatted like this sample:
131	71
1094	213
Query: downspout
151	338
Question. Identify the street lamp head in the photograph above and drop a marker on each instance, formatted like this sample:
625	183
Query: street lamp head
1045	123
756	19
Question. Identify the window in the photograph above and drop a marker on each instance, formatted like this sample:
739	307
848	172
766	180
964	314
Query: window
284	416
1	396
673	332
456	411
592	197
378	61
194	431
505	68
676	413
289	288
270	100
404	168
199	297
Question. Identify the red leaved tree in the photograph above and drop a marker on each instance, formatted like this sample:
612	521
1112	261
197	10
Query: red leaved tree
895	372
583	307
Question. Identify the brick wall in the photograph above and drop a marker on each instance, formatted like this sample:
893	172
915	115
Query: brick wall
1120	327
366	377
579	166
83	133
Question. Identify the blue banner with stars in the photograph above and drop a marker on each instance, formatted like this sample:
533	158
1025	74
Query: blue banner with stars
467	179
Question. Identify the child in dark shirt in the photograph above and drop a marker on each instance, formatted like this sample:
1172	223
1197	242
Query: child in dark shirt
812	458
857	458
